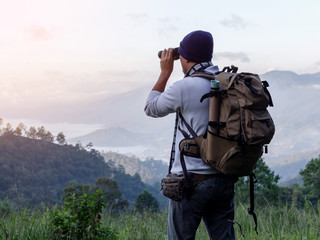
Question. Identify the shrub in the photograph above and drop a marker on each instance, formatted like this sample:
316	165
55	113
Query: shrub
80	219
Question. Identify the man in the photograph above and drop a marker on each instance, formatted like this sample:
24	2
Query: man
212	199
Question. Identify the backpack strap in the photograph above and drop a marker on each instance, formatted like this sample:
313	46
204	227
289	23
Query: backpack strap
192	132
253	180
172	156
185	172
265	85
173	151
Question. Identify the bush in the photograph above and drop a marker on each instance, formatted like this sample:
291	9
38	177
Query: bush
80	219
146	202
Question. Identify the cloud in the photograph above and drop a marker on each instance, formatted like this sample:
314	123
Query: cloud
168	26
317	63
238	56
137	18
37	32
235	22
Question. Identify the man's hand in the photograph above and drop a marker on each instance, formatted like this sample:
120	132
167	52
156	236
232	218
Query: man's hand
166	62
166	65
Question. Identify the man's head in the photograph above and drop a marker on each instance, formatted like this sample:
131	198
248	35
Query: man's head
197	47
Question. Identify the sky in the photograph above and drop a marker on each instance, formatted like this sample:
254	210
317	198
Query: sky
69	51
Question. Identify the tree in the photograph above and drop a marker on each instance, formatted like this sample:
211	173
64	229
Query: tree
61	139
146	202
18	131
77	190
32	133
8	128
311	179
266	188
41	132
1	122
109	188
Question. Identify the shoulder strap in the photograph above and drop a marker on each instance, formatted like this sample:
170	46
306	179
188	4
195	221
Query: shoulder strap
205	75
192	132
172	157
173	151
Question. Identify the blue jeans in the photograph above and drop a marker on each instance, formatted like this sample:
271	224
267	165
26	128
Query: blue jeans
211	201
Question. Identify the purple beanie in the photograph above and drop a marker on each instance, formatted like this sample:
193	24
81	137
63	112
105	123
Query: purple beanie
197	47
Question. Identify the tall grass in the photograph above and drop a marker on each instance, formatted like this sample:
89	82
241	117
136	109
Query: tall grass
278	223
24	225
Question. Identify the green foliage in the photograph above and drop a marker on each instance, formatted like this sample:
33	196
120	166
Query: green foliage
108	186
36	171
292	196
81	218
311	179
266	189
132	184
5	207
75	189
146	202
274	223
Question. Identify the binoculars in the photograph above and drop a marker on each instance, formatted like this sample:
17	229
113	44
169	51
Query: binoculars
175	54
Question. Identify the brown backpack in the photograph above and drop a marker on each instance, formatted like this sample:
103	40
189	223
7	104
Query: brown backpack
241	127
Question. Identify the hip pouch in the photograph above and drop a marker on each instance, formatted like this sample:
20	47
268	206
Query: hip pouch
172	186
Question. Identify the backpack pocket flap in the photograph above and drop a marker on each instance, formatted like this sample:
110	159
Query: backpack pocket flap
258	127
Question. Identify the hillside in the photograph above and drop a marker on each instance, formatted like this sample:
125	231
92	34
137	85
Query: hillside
37	171
151	171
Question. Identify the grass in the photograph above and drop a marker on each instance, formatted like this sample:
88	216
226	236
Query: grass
278	223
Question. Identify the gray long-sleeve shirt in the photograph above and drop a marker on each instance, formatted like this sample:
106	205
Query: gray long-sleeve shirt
184	96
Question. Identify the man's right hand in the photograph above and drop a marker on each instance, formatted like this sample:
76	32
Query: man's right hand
166	62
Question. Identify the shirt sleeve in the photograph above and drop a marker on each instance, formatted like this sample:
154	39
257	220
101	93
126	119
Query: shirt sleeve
161	104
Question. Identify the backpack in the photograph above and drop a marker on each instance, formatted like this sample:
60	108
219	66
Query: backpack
239	126
234	140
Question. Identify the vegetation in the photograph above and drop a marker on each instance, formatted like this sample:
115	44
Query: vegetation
311	179
266	188
81	219
35	171
39	173
274	223
151	171
146	202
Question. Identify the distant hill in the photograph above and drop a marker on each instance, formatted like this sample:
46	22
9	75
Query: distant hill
150	170
37	171
114	137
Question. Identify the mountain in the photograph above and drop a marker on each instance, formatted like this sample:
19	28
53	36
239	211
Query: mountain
37	171
114	137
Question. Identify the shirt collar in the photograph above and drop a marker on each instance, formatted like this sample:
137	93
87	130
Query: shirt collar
198	67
